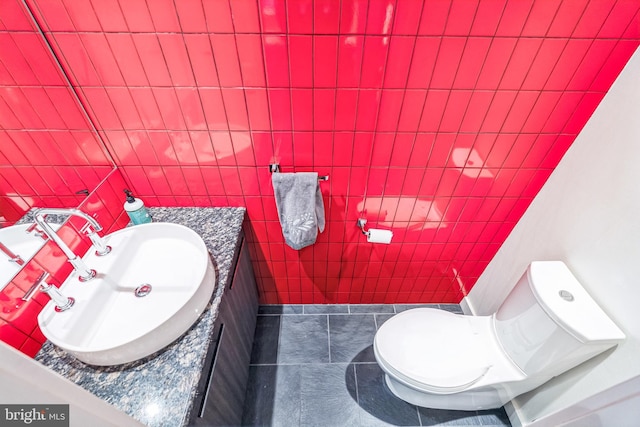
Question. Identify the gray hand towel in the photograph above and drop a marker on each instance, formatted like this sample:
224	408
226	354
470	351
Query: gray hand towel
300	207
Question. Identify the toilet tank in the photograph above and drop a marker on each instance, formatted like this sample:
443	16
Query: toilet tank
549	323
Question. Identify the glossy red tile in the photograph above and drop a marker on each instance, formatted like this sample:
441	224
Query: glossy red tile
224	46
164	16
258	109
520	110
540	18
324	101
471	63
102	59
177	59
389	110
412	110
367	109
373	61
245	16
326	16
191	17
14	17
487	17
350	51
518	67
435	104
302	109
562	112
303	149
125	108
213	108
592	19
325	66
191	108
36	56
301	64
591	64
608	73
407	17
152	58
500	106
162	145
496	62
275	56
43	107
457	105
567	65
273	16
280	109
110	16
434	17
251	61
11	335
464	13
380	17
101	108
352	17
236	109
401	52
202	61
15	62
24	113
135	12
517	13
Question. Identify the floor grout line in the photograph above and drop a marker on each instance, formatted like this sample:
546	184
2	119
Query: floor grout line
329	338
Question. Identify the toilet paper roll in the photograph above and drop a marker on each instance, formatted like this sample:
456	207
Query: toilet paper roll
379	236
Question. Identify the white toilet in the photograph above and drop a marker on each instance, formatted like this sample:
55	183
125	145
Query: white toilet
547	325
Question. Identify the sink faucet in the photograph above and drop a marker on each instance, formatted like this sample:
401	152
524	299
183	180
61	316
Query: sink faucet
12	257
62	303
91	228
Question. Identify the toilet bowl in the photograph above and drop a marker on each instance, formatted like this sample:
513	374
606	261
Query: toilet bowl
547	325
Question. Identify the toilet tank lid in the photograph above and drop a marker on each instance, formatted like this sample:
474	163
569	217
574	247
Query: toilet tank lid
568	303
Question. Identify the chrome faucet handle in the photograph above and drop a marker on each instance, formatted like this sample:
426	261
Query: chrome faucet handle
61	302
34	288
13	257
90	230
33	228
87	228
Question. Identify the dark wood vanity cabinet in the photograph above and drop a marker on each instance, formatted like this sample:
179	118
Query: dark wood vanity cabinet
220	397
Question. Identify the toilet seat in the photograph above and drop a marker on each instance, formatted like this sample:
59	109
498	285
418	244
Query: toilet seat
417	347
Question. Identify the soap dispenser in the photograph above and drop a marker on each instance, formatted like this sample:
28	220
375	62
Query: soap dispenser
135	209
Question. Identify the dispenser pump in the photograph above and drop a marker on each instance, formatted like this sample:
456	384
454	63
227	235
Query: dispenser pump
135	209
130	198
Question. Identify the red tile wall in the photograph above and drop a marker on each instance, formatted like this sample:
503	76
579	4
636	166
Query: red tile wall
438	120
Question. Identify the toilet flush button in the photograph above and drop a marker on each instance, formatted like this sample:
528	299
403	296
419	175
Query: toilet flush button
566	295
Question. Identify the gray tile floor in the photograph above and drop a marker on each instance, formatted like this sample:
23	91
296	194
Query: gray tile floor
313	365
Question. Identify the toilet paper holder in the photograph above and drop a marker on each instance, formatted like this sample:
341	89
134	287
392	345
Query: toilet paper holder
361	223
375	235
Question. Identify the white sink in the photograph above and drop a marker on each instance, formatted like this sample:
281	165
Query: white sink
109	324
20	243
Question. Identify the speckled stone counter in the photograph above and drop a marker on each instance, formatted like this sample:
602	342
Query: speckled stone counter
159	390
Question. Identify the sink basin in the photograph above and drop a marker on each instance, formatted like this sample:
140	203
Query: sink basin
149	290
20	243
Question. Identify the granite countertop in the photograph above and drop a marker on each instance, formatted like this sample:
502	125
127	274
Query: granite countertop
159	390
